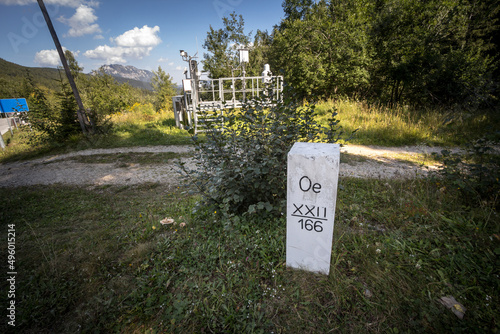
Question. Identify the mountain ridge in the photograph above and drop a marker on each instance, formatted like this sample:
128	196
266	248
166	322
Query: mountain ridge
48	76
128	72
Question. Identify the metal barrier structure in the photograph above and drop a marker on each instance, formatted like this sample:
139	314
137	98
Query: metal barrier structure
213	96
6	125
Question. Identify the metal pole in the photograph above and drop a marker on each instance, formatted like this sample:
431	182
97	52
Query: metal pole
244	84
80	113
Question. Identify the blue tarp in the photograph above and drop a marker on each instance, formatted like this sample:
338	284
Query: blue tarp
13	105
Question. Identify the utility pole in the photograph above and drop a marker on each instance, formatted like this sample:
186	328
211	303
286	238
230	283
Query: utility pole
81	110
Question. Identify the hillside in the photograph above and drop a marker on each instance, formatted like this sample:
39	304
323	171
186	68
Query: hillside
12	75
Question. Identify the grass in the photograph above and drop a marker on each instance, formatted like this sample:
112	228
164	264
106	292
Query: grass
129	130
402	125
97	259
377	125
130	157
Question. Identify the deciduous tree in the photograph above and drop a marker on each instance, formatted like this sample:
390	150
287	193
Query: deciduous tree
164	89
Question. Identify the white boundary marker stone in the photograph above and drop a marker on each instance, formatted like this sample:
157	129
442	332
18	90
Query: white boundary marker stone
312	181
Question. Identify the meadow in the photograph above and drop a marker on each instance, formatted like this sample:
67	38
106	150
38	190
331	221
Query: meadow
97	258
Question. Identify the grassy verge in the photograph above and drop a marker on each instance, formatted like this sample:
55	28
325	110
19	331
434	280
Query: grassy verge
402	125
97	259
131	157
377	125
129	130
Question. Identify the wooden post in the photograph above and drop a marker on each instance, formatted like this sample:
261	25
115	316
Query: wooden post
81	110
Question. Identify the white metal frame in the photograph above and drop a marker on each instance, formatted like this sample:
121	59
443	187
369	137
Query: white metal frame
220	94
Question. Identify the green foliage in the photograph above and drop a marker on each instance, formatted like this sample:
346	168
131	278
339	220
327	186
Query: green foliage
41	117
325	53
69	124
12	76
50	122
475	175
412	52
242	168
222	46
259	53
103	95
433	52
296	9
401	125
164	89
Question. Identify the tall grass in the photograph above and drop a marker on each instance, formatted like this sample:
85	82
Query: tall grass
403	125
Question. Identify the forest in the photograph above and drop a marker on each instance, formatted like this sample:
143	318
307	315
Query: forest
421	53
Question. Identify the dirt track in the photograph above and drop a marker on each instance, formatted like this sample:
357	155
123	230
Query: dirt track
360	161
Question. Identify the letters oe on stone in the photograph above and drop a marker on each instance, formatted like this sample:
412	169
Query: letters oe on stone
313	173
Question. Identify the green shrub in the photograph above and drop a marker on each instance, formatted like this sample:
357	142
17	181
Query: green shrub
242	167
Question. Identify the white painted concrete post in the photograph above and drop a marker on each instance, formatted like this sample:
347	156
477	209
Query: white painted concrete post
2	143
9	122
313	172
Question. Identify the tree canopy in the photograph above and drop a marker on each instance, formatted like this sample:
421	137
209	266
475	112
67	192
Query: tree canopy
392	51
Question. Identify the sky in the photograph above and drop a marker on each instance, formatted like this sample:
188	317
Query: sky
142	33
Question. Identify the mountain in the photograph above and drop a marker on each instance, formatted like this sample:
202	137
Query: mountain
134	76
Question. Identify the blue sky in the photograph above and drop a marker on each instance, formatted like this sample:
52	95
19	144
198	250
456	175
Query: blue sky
142	33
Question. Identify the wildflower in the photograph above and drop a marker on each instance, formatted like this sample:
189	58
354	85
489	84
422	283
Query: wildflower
154	227
182	224
378	250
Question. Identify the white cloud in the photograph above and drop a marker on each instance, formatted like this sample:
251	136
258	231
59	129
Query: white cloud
50	57
136	43
171	64
162	60
143	37
117	54
108	53
178	68
82	22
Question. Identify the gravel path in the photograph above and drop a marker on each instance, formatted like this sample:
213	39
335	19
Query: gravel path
362	161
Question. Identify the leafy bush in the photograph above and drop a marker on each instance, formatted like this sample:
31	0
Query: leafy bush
476	174
242	167
50	122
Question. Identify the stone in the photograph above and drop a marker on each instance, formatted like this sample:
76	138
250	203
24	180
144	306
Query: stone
312	182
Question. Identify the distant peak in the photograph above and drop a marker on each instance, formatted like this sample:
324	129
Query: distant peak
128	72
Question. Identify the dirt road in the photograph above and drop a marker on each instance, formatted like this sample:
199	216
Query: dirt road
356	161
